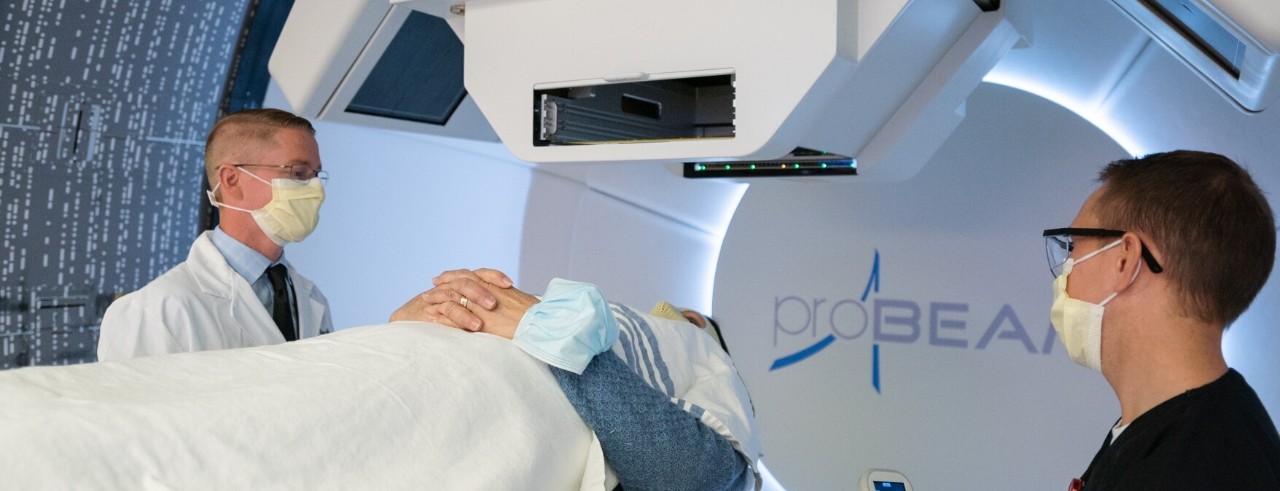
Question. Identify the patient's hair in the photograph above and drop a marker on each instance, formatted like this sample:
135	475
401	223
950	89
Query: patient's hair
1211	226
235	131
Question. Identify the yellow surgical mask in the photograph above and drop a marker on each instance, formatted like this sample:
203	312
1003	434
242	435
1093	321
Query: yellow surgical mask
293	212
1079	323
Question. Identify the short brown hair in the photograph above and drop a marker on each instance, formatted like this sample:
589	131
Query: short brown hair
251	125
1206	216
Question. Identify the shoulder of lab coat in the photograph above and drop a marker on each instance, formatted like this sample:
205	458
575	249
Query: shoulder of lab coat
201	304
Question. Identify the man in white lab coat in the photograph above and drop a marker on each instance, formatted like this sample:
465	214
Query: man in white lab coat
235	289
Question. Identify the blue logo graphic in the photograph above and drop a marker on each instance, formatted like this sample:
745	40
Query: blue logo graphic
873	281
892	321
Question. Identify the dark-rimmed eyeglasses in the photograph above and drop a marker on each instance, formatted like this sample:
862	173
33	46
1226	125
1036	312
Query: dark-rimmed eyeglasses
298	172
1059	242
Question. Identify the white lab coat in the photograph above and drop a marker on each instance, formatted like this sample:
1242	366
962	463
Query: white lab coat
202	304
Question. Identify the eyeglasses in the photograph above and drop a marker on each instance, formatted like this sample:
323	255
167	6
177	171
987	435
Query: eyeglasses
1059	242
297	172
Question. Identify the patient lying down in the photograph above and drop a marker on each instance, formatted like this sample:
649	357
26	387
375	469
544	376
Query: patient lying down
403	405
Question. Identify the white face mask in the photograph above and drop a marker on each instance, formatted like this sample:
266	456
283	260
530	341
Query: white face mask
293	212
1079	323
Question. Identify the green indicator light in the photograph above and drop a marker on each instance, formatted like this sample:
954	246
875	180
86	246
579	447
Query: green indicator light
753	166
824	165
726	166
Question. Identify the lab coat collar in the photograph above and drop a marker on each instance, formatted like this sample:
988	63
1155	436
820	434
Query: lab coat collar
218	279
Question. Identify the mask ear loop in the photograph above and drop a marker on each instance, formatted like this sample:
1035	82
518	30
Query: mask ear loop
1069	263
1099	251
217	204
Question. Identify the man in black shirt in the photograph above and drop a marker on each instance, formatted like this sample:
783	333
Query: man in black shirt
1169	251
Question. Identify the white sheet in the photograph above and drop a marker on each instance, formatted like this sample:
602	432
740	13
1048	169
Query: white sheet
398	406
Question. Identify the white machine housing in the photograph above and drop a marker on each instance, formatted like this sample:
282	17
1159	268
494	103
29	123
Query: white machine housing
856	78
327	50
880	81
1232	44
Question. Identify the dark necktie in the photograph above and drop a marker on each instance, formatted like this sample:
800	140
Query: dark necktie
280	306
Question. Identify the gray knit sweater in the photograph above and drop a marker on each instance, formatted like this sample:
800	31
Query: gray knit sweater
649	441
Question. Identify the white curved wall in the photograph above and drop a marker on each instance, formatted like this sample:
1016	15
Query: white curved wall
640	232
401	208
974	392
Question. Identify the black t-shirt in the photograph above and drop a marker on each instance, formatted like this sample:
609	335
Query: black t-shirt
1218	436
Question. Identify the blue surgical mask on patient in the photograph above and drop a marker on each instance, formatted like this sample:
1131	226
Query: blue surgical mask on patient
570	326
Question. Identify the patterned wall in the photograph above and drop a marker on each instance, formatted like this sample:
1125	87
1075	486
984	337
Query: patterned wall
104	106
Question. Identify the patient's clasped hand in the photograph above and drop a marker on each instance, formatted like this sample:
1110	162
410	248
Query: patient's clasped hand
569	326
388	406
